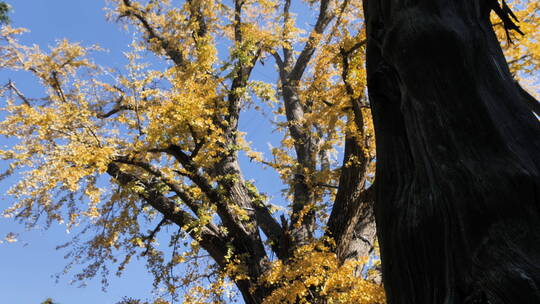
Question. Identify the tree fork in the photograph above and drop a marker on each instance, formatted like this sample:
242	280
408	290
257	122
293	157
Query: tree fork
458	156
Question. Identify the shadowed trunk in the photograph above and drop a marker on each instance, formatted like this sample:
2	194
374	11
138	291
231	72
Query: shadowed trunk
458	156
351	222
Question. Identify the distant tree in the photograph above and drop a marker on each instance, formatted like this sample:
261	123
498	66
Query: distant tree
4	10
128	300
48	301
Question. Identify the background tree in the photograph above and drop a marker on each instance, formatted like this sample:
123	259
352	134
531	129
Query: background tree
4	10
458	154
152	152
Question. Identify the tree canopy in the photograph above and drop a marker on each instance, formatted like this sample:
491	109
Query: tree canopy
151	152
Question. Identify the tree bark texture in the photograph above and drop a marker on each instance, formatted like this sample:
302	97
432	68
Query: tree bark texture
458	156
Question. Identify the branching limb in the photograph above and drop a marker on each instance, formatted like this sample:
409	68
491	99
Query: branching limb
186	198
281	65
11	85
324	18
242	72
227	215
199	142
353	202
119	107
55	83
174	54
198	15
304	143
287	52
211	242
149	238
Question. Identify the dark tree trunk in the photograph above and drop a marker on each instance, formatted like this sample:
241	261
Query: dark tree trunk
458	156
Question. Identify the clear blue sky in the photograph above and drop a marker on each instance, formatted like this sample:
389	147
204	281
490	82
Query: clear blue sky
27	267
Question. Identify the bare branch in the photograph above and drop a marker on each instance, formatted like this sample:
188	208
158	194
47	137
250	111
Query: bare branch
152	235
199	142
280	64
117	108
12	86
56	85
327	185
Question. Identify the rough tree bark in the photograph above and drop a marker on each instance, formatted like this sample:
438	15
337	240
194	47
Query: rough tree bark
458	156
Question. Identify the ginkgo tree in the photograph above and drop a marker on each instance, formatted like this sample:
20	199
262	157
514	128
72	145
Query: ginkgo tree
458	152
124	157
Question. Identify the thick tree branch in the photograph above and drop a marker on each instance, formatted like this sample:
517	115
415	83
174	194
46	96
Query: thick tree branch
235	189
304	142
324	18
199	142
197	14
271	228
353	202
241	73
187	199
281	65
245	235
118	107
11	85
268	224
287	52
210	241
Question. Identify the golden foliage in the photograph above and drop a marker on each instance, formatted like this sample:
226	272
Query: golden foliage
92	117
315	274
522	51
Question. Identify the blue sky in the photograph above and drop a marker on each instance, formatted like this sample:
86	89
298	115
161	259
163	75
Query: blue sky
27	267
